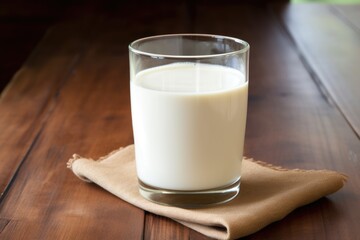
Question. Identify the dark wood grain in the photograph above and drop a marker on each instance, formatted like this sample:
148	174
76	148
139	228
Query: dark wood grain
28	100
157	227
72	95
86	111
329	40
290	121
84	117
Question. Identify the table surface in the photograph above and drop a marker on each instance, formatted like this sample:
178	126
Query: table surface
72	95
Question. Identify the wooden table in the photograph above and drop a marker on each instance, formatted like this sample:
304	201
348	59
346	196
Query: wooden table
72	95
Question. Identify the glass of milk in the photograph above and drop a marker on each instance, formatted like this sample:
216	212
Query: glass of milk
188	103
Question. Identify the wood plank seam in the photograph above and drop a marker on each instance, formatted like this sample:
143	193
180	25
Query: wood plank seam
46	111
8	186
3	223
313	75
323	92
344	18
43	116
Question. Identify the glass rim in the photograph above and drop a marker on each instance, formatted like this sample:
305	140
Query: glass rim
174	56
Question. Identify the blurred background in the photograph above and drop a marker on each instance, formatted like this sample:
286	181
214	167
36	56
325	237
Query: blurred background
24	23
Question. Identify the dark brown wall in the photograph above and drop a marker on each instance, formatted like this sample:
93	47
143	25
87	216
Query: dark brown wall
23	23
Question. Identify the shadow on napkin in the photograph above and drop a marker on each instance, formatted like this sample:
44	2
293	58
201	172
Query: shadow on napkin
267	193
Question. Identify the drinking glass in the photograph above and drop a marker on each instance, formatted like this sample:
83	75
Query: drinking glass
188	104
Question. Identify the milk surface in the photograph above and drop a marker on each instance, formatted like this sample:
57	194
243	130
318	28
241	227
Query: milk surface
189	125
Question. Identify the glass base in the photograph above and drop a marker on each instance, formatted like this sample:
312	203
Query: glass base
190	199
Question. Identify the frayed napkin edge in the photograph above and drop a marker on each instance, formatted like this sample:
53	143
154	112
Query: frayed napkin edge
279	168
222	230
261	163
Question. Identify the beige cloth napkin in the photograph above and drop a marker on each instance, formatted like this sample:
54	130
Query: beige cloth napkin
267	193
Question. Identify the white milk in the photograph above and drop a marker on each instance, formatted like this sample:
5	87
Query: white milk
189	125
